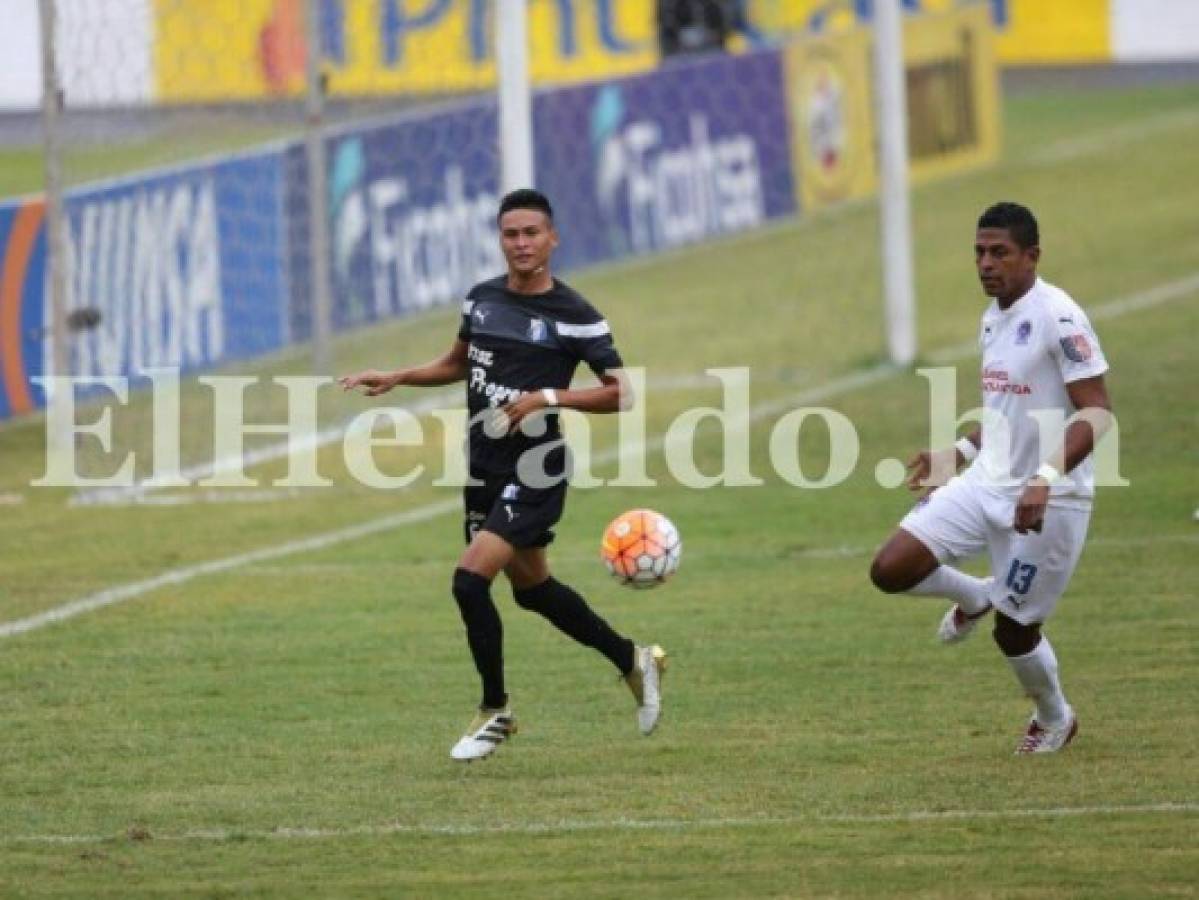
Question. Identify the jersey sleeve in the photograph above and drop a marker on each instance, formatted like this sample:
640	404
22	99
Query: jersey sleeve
464	327
592	342
1075	346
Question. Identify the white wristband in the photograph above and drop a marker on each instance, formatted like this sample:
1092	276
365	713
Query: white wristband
966	447
1049	473
551	397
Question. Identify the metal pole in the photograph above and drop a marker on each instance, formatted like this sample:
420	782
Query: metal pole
894	200
52	108
318	199
515	95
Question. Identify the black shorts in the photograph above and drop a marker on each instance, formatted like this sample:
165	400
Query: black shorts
521	515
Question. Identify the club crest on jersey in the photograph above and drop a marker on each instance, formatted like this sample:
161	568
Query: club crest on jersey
481	315
537	330
1076	347
1023	332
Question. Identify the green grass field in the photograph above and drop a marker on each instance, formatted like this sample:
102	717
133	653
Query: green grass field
281	728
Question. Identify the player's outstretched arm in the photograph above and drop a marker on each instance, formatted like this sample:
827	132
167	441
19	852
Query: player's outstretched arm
446	369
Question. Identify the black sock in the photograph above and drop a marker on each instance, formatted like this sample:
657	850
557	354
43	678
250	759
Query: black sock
571	615
484	633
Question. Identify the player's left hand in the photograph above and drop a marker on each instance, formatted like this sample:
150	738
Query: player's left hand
517	411
1030	508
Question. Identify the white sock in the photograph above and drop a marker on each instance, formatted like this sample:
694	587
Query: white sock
968	592
1037	673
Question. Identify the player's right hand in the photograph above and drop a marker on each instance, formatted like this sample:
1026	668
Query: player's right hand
931	469
372	381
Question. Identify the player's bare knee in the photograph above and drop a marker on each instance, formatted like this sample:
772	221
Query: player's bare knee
1013	638
883	575
886	575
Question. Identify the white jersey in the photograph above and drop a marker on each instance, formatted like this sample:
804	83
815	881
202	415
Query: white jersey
1030	352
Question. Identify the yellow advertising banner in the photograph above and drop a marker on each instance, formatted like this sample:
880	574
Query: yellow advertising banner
1041	32
831	118
953	92
953	104
215	50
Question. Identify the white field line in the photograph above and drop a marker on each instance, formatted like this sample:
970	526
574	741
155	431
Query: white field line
136	492
1149	126
816	394
125	592
621	824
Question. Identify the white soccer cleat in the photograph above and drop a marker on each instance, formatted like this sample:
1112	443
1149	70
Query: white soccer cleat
956	626
1038	739
488	729
645	681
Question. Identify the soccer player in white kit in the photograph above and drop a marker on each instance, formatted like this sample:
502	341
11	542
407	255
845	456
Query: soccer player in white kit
1026	495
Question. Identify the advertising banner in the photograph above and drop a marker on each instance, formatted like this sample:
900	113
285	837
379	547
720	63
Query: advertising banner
22	273
179	269
832	117
651	162
215	50
412	208
952	94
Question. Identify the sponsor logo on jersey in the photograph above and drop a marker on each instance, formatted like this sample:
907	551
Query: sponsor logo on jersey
496	394
1076	347
997	381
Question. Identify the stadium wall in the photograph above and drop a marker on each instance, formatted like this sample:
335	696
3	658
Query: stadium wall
203	264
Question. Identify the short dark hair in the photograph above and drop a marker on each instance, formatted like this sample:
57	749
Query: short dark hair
1019	221
526	198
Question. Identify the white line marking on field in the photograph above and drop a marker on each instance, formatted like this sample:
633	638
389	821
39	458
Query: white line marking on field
1141	300
1073	148
137	492
178	576
584	825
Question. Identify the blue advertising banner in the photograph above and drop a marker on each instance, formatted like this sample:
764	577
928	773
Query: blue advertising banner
184	268
680	155
22	275
204	264
412	215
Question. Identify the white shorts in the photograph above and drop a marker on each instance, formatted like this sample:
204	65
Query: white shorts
1031	570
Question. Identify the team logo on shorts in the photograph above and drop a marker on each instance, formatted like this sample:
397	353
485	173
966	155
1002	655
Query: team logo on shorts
1076	347
510	492
1023	332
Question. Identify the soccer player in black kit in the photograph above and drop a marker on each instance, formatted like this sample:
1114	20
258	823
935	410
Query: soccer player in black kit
522	336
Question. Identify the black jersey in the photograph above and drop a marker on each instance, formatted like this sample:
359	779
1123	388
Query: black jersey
520	343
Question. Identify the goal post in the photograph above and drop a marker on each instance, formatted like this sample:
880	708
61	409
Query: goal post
895	218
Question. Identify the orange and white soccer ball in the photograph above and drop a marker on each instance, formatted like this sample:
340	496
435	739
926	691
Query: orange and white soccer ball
641	548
